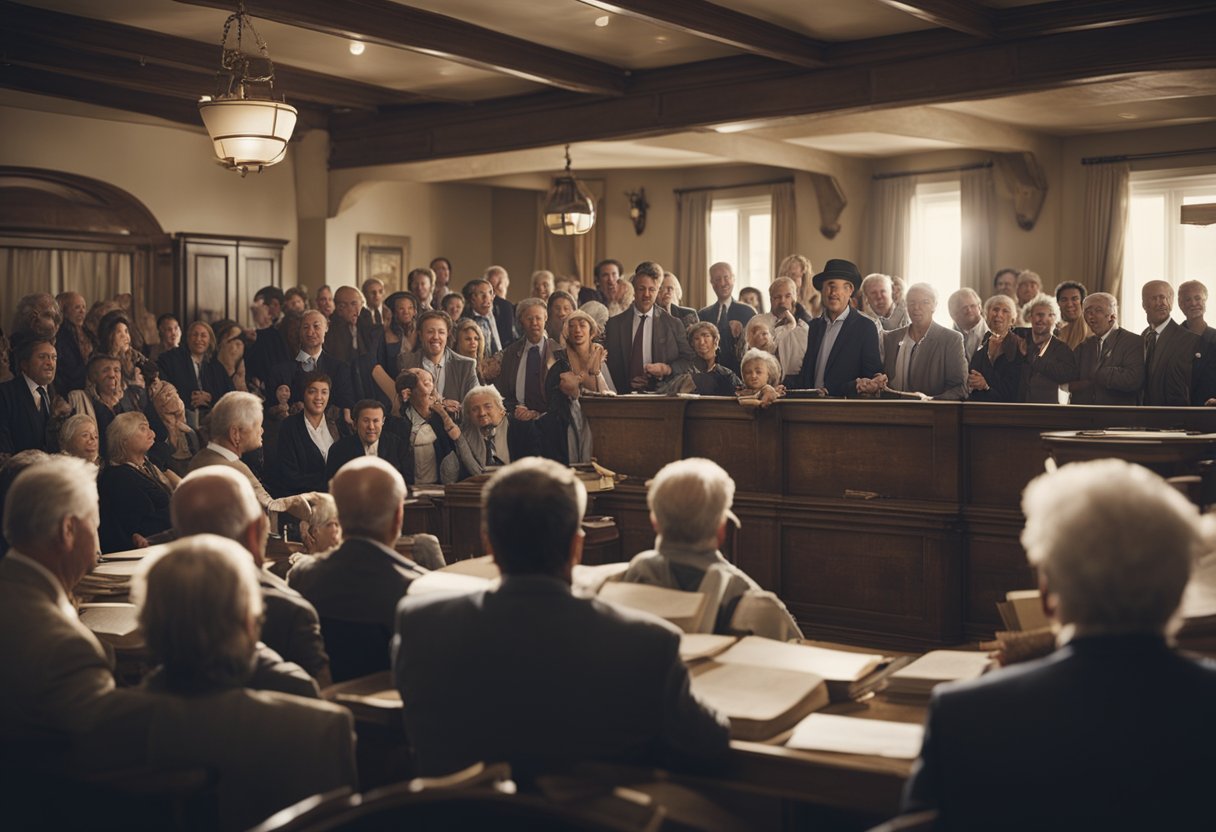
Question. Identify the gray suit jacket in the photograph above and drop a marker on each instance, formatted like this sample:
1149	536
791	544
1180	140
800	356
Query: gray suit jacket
1167	381
669	345
459	373
939	368
207	457
1117	378
572	679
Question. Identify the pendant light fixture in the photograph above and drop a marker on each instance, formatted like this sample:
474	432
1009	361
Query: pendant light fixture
247	133
569	207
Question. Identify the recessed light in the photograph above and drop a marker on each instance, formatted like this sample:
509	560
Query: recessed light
660	38
1128	116
356	47
602	21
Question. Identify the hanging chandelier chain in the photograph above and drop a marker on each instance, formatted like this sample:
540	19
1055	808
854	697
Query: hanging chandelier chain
234	60
567	158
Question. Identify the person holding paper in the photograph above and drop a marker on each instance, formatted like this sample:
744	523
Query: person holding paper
1113	730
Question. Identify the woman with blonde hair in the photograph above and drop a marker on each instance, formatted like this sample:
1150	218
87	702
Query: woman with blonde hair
134	494
582	353
78	437
799	269
468	340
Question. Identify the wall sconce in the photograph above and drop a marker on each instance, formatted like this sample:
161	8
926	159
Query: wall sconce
637	209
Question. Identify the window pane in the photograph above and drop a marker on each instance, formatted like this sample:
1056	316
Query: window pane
723	242
937	243
1145	256
759	242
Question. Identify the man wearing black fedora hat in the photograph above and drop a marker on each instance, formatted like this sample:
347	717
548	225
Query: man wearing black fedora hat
842	356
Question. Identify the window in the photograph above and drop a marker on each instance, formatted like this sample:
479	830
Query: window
1158	245
741	233
936	245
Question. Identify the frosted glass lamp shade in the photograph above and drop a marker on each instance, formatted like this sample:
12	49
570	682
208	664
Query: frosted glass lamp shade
569	210
248	133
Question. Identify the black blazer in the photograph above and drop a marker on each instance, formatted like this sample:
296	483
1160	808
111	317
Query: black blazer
1043	375
504	317
391	449
1167	380
668	345
1004	376
291	626
298	464
289	372
854	355
177	368
738	311
69	369
1121	375
131	503
22	426
262	355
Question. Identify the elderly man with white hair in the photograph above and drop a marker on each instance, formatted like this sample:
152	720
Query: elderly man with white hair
217	500
490	437
1049	363
924	357
690	504
1113	730
878	290
1111	360
788	323
966	310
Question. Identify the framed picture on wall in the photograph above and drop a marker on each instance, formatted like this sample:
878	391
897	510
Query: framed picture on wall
383	256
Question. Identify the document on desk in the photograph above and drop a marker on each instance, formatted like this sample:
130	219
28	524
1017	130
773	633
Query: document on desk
761	702
841	669
450	583
683	609
849	735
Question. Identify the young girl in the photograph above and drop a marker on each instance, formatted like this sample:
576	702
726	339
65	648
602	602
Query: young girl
761	374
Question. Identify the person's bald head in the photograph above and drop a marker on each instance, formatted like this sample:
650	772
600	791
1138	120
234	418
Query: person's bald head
348	302
218	500
370	495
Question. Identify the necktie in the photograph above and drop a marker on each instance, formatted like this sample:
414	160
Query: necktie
1150	345
635	358
376	317
721	313
534	398
491	457
43	410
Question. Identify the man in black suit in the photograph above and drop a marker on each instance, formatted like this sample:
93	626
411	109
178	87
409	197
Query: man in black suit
1112	730
355	342
729	315
356	587
607	281
572	678
644	343
479	306
312	357
842	355
269	346
526	363
27	401
369	439
1111	360
1170	352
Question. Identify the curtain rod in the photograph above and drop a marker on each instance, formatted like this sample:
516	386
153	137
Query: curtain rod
1132	157
956	169
784	181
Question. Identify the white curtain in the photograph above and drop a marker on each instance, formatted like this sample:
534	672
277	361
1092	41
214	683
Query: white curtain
692	245
978	209
1105	226
890	226
785	222
95	274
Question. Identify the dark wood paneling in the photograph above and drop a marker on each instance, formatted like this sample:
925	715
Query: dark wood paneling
737	439
646	432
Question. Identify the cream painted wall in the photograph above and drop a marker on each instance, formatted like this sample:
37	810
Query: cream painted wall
514	241
170	170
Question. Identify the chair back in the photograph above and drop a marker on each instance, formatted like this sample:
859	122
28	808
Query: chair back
355	648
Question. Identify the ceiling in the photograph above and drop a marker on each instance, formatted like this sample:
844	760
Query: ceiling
637	83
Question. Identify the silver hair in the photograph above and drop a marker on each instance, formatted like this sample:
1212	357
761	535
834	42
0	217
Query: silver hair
783	280
235	409
196	602
224	505
1194	284
1004	300
922	287
689	501
1041	299
119	432
528	303
1110	299
679	286
768	359
871	279
480	390
324	509
44	494
959	294
1027	276
493	270
72	426
1113	541
371	514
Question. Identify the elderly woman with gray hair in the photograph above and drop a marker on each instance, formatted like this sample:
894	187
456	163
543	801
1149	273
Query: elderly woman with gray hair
134	493
1049	362
78	437
995	371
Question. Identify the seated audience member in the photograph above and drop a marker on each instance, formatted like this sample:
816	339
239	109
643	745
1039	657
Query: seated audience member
191	368
312	358
181	441
355	588
924	357
646	345
323	302
560	305
199	609
236	429
295	301
469	341
843	356
219	501
105	396
452	305
582	354
56	671
37	314
670	295
324	531
134	492
877	290
10	469
1170	351
788	323
6	371
995	369
1103	733
442	267
78	437
1029	286
29	407
526	362
753	298
1072	329
401	334
690	505
425	430
1049	362
454	373
420	283
967	312
731	317
707	377
761	377
114	338
305	439
1004	282
550	658
369	439
230	360
542	284
491	438
1110	362
898	285
73	343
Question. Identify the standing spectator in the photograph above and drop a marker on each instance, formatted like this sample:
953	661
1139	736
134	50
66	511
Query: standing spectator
966	310
729	316
324	302
442	267
1170	351
73	344
1110	362
995	372
1049	362
645	344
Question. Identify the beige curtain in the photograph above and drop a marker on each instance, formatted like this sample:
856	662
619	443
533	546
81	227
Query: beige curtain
1105	226
23	271
890	226
978	209
785	222
692	245
94	274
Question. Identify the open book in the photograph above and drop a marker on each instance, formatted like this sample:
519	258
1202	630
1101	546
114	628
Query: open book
844	672
761	702
915	682
115	624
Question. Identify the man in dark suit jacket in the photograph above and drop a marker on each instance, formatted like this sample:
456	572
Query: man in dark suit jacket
27	401
312	356
356	587
572	678
357	343
1169	350
369	439
1112	731
842	355
644	343
455	374
729	315
525	401
1111	361
487	309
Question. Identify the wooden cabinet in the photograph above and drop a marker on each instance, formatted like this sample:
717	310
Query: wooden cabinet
216	277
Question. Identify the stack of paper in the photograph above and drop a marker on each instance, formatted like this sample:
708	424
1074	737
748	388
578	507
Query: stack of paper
697	646
443	582
1022	610
683	609
115	624
848	735
843	671
914	683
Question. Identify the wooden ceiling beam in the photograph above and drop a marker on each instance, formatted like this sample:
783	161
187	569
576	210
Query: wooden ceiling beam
960	15
1078	15
992	69
41	82
402	27
722	25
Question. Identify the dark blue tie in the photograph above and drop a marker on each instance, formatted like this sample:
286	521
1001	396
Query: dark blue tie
534	397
